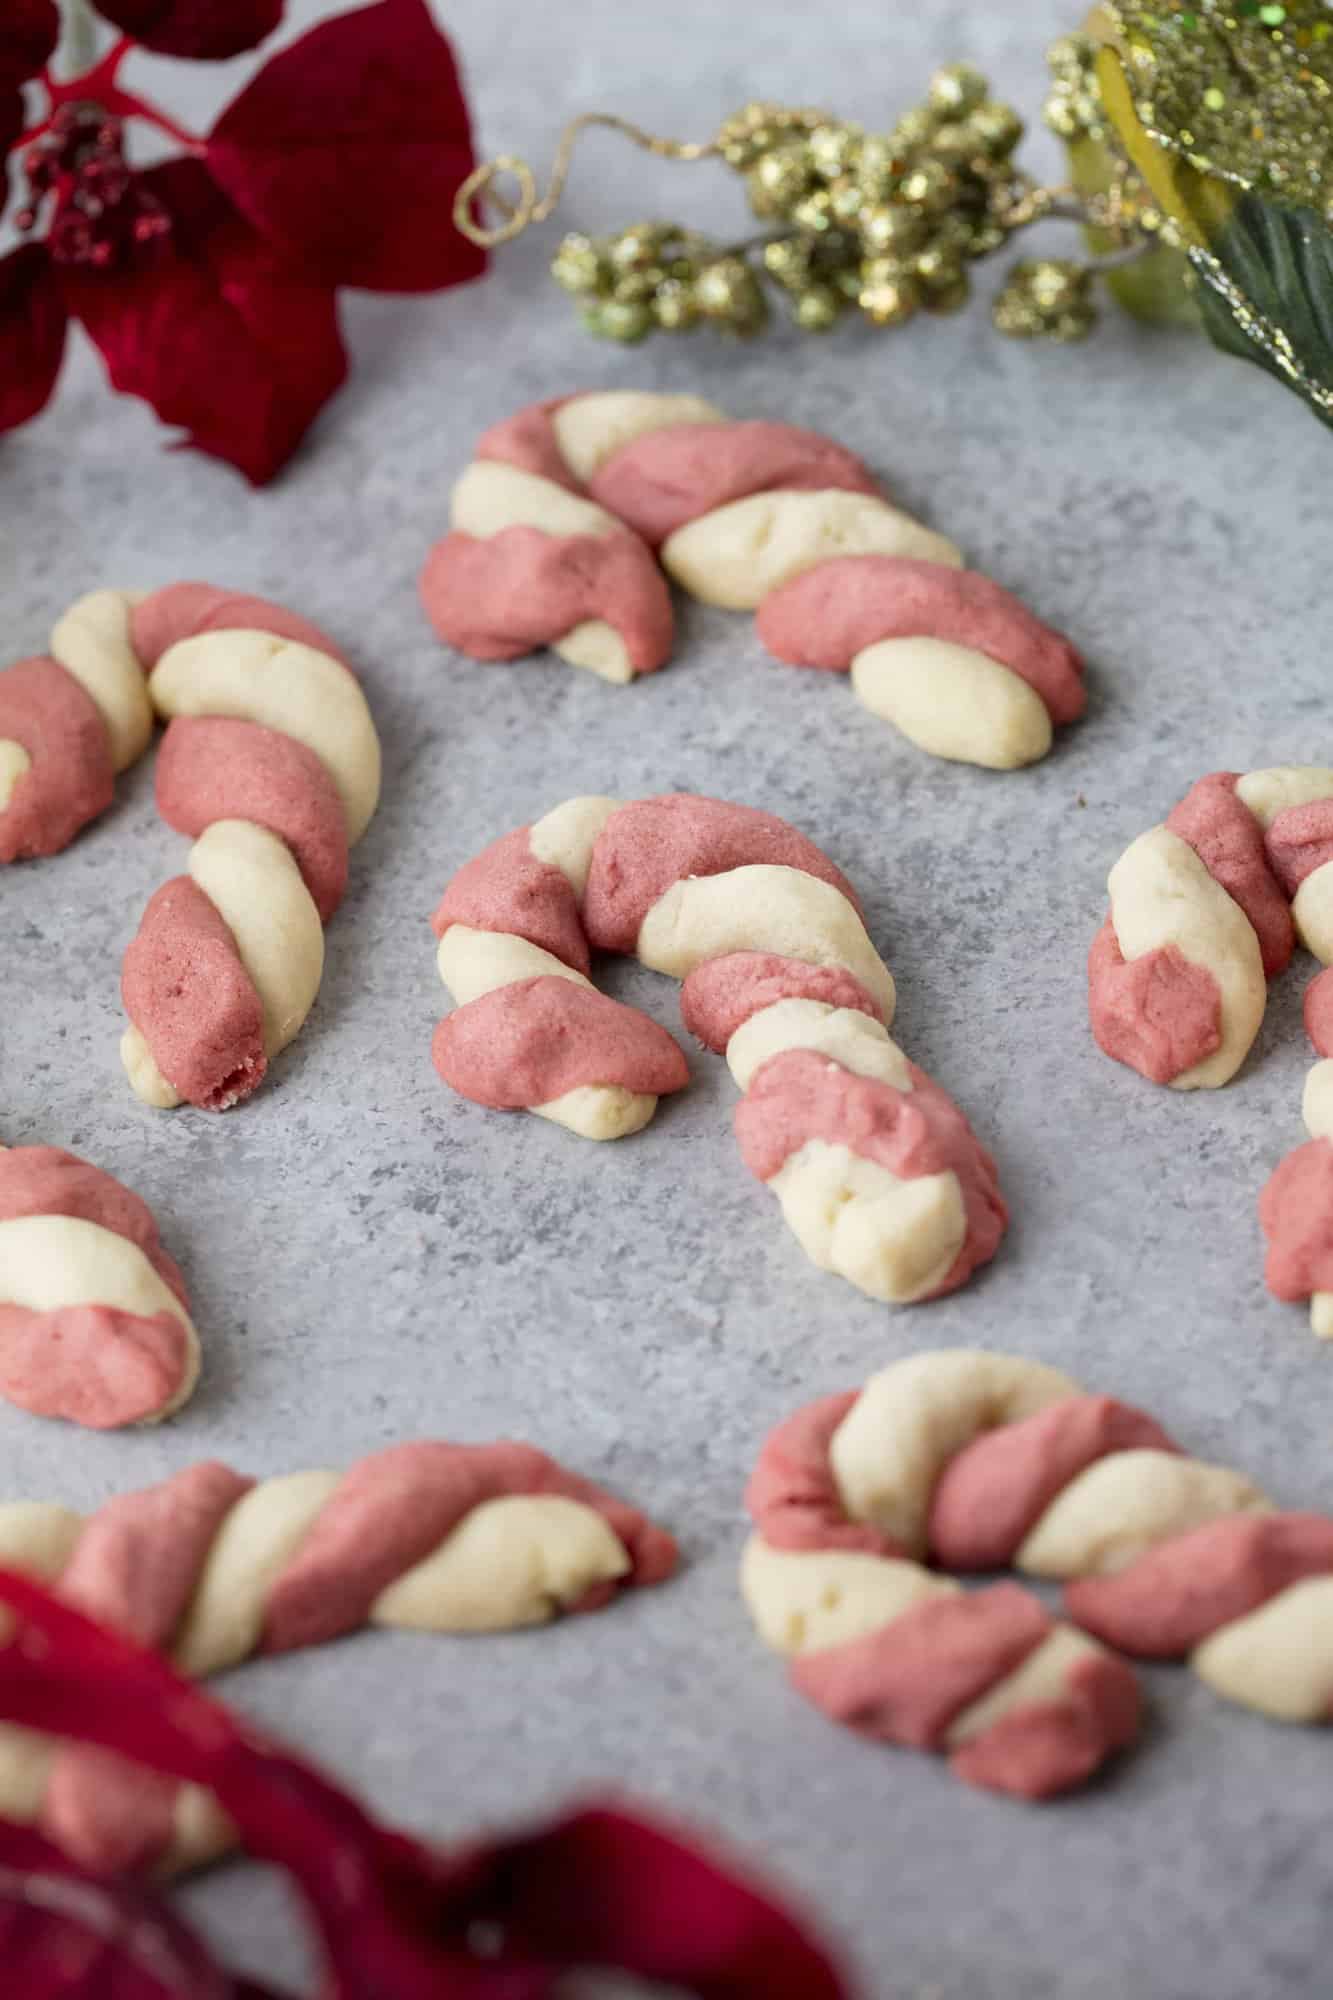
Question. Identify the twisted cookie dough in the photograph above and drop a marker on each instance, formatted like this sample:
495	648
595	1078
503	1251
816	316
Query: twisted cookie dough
94	1316
214	1567
271	764
750	516
879	1175
1205	909
833	1577
979	1461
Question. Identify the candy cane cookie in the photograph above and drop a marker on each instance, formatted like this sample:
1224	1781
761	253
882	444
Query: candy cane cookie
271	763
70	720
978	1462
531	560
1205	910
878	1173
845	1498
94	1316
767	517
214	1568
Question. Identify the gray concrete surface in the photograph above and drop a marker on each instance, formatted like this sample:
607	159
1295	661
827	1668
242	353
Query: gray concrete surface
372	1259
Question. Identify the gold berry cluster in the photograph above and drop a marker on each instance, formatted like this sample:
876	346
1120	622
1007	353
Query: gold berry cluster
880	224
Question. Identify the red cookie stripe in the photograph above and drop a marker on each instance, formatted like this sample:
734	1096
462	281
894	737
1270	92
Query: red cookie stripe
1318	1012
43	1180
721	995
214	767
512	592
1296	1215
668	477
186	991
793	1497
993	1492
800	1095
827	615
1159	1013
530	1042
529	441
91	1364
187	610
1229	841
390	1512
648	846
906	1681
1173	1597
1299	841
1037	1751
505	888
71	779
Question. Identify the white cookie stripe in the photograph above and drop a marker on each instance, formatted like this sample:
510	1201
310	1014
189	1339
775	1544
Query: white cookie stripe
517	1561
894	1239
564	838
1162	896
1038	1682
909	1420
762	908
248	874
857	1041
590	429
1279	1659
736	555
280	684
589	874
802	1600
953	702
1123	1505
49	1263
92	642
14	764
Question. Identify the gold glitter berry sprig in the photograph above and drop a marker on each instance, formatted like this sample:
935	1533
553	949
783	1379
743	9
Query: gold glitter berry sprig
884	225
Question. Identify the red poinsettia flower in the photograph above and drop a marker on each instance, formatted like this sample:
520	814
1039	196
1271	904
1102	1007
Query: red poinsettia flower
209	282
396	1920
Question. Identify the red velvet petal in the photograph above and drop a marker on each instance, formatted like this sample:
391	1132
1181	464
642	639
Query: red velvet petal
206	30
212	330
347	150
32	332
600	1888
29	32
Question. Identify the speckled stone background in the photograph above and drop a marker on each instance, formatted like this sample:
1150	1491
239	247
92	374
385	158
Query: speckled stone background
372	1259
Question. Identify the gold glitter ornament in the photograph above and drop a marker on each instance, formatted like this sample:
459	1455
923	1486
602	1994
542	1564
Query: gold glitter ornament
1045	298
817	308
789	261
957	88
779	179
833	150
615	319
877	165
997	129
814	212
888	295
674	307
892	221
892	226
930	187
728	293
578	266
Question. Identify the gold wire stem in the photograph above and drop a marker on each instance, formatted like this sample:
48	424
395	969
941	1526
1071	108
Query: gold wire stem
480	184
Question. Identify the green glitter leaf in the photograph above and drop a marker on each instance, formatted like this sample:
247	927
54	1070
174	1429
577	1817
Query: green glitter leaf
1265	293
